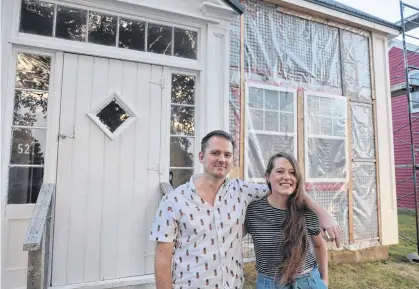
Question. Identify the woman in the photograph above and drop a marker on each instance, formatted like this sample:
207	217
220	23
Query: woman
290	251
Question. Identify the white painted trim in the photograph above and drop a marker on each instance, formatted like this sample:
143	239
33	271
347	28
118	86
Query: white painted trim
114	283
306	136
220	10
165	127
127	107
385	142
104	51
247	130
19	211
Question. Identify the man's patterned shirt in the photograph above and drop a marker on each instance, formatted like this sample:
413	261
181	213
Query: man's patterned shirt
208	239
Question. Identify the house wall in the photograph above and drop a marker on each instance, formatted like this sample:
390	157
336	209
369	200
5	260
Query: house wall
278	45
402	150
210	18
400	110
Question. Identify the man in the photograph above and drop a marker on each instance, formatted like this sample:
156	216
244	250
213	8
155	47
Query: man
198	226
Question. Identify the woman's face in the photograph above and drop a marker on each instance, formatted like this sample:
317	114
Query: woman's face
282	177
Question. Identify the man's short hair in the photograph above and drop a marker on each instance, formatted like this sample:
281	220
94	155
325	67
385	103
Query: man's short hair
219	133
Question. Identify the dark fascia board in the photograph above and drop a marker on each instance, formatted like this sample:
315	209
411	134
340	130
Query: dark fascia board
354	12
236	5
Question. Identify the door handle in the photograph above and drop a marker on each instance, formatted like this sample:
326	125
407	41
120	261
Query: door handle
63	136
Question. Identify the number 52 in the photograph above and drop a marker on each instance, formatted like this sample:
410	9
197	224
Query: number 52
23	148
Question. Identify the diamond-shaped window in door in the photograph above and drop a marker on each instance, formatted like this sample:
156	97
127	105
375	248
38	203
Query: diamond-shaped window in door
113	116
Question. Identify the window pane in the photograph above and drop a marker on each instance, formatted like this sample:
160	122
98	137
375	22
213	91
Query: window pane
36	17
183	89
326	125
256	119
28	146
326	158
185	43
255	97
24	185
102	29
132	34
181	152
183	120
32	71
71	23
178	177
313	125
339	109
326	106
271	100
339	127
313	105
271	121
113	115
262	147
30	108
287	122
287	101
159	39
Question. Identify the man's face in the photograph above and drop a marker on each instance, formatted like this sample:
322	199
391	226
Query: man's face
217	158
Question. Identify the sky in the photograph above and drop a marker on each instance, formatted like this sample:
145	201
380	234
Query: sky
386	9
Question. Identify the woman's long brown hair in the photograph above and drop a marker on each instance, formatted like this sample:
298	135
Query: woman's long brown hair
294	226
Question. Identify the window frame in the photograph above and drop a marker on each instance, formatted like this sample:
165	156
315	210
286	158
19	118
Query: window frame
114	51
411	76
51	129
308	179
166	118
247	130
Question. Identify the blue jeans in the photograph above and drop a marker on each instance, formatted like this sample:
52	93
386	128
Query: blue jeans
311	280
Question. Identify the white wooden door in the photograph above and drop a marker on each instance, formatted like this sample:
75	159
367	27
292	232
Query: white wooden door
107	190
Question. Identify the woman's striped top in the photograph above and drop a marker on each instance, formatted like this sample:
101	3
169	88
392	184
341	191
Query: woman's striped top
264	223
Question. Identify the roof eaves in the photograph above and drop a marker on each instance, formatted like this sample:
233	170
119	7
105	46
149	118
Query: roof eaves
236	5
354	12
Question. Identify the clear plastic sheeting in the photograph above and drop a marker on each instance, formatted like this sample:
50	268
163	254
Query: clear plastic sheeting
363	141
235	52
326	138
271	127
365	201
356	66
234	96
333	197
285	49
261	147
234	121
300	74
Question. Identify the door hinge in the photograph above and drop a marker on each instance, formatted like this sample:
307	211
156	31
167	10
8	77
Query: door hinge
162	83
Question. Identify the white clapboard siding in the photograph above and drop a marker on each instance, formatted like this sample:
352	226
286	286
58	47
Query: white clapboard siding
106	195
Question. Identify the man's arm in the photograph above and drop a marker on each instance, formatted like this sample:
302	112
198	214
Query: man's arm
163	265
320	251
326	221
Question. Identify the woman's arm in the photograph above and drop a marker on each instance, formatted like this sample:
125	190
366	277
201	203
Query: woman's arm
320	250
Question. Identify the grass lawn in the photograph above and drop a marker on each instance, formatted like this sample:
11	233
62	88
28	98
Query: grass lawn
396	272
